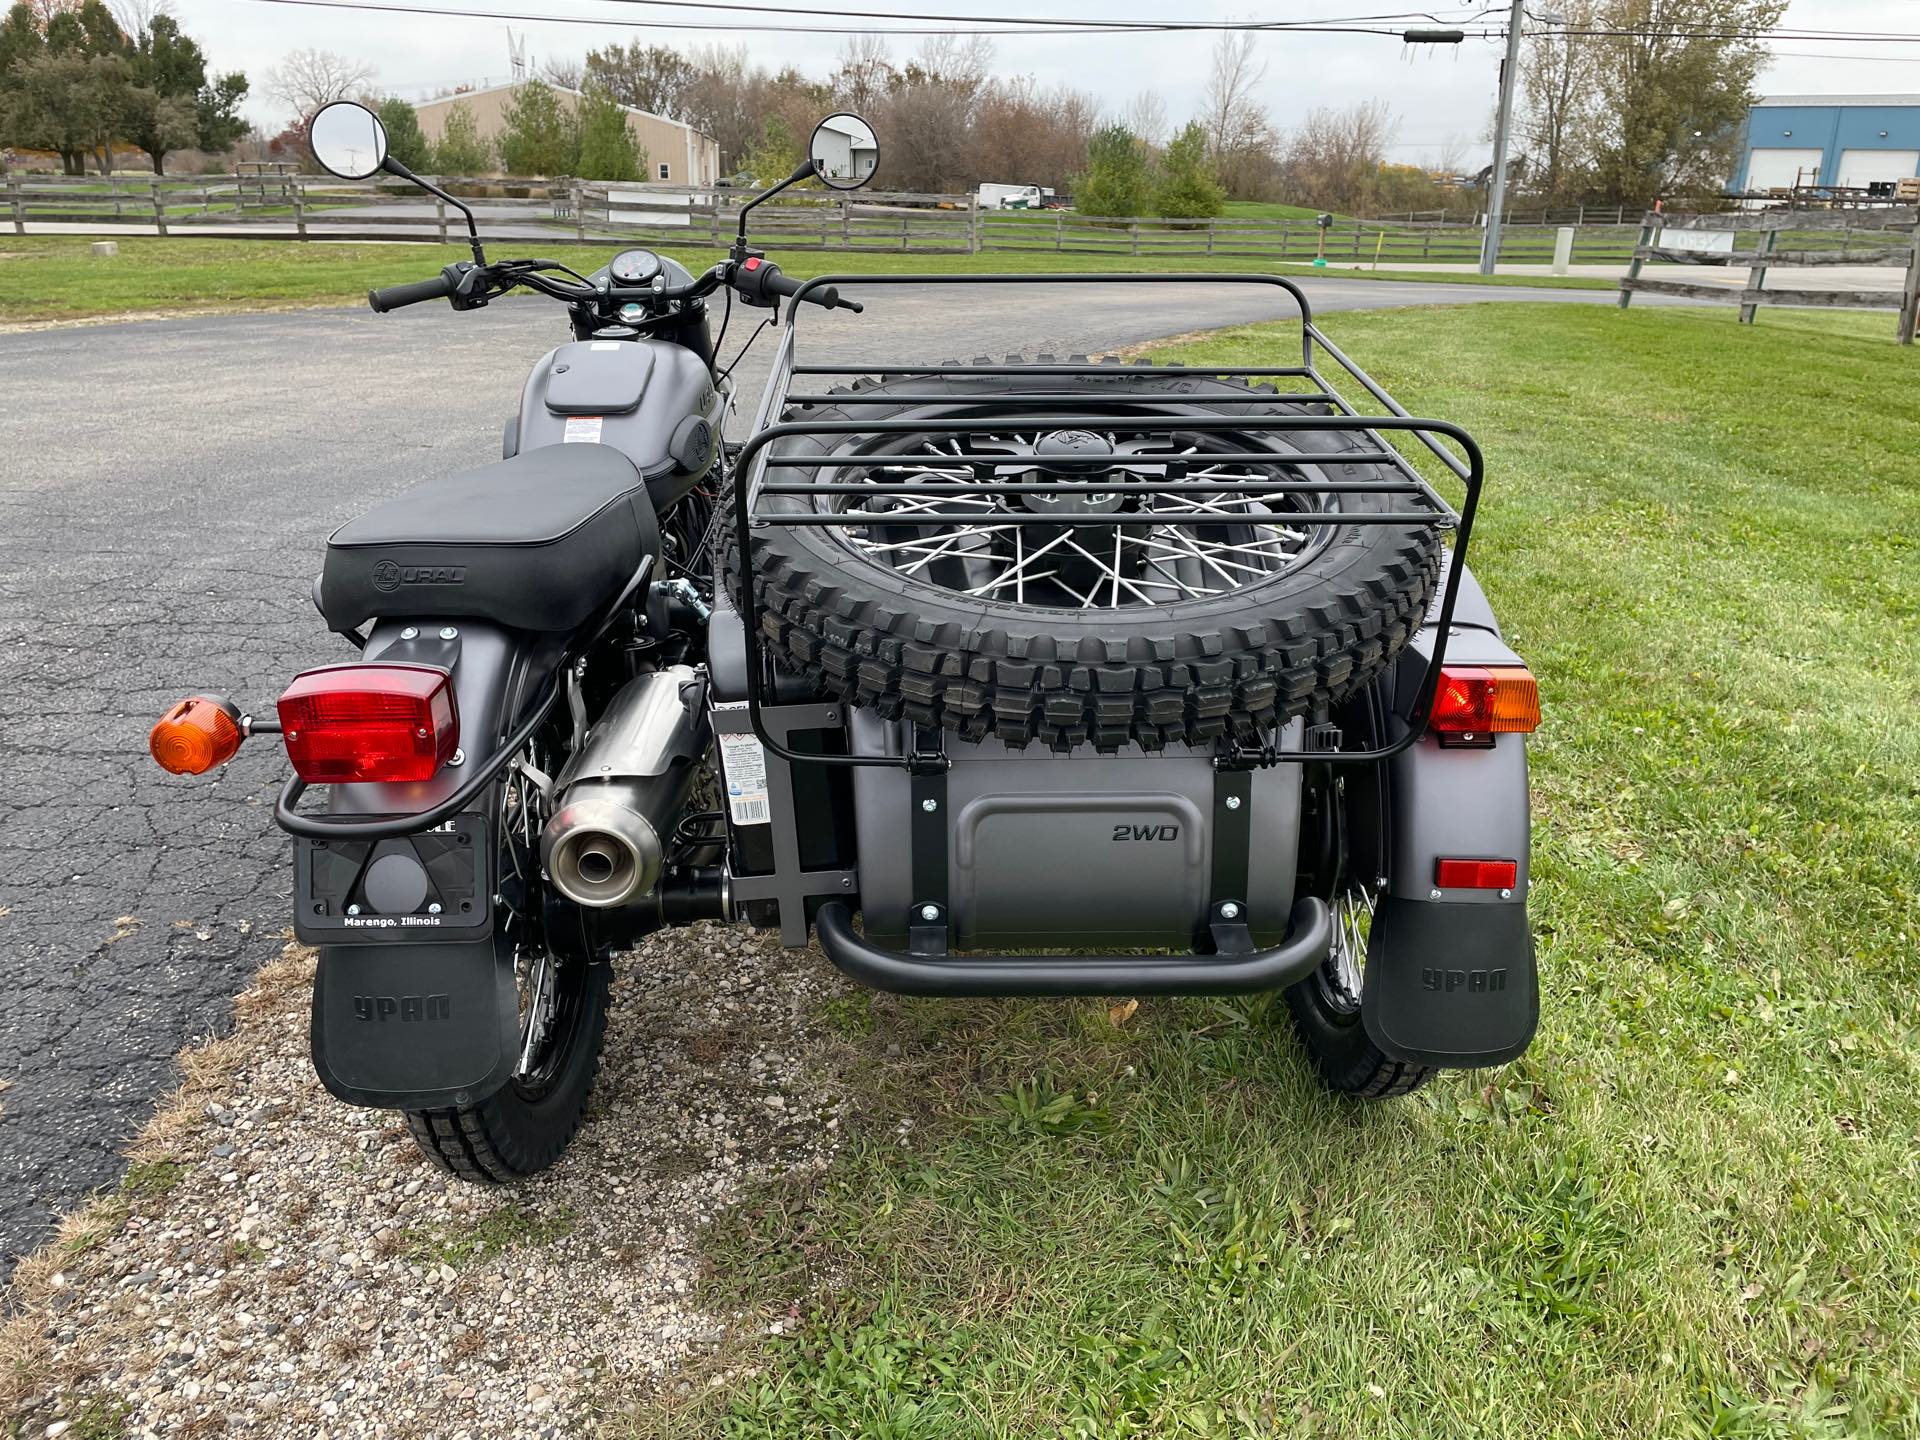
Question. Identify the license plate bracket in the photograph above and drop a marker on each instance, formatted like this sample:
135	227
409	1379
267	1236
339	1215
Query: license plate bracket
361	892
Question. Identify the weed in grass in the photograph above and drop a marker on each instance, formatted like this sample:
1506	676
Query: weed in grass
850	1015
865	1371
99	1417
1035	1107
152	1179
464	1242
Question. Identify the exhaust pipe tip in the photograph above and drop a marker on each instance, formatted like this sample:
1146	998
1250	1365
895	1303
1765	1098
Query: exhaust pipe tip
599	853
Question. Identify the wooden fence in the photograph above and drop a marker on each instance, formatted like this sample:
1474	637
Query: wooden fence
932	225
1889	239
317	208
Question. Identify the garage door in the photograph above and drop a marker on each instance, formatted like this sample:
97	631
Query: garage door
1768	168
1864	167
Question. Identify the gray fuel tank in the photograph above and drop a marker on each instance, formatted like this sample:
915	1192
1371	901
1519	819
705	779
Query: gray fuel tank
653	401
1079	851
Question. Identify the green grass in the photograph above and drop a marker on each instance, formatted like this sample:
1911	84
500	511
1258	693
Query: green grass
53	277
1690	1210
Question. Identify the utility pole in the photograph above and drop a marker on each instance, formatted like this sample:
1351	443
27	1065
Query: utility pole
1497	189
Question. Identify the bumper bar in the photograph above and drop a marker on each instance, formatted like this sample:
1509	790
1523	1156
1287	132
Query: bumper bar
1309	934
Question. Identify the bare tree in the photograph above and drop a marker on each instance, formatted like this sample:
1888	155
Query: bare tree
865	73
308	79
567	74
1559	106
135	16
1240	136
1146	116
1334	160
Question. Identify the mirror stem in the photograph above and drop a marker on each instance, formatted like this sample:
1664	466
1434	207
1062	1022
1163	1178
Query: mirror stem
805	170
394	167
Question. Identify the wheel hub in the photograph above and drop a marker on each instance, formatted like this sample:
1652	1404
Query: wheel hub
1071	460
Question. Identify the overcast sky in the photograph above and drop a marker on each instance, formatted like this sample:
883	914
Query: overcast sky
1440	94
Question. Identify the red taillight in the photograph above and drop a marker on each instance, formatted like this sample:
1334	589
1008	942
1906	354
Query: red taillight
1486	700
1475	874
384	723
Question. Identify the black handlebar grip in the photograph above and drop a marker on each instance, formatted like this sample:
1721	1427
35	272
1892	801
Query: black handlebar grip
394	296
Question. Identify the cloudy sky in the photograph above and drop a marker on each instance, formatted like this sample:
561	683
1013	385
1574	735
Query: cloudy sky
1442	95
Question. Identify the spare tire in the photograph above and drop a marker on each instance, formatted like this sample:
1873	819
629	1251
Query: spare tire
1069	634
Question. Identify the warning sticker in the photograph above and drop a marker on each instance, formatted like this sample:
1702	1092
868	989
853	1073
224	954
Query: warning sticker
582	429
745	764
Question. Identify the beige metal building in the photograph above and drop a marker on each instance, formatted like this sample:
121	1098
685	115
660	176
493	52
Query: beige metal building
676	154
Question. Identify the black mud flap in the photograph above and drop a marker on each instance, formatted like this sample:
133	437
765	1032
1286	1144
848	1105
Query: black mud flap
415	1026
1451	985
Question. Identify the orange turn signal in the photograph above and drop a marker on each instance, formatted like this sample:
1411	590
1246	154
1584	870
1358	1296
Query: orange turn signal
196	735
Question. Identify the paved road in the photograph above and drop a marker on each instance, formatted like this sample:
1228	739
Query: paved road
164	494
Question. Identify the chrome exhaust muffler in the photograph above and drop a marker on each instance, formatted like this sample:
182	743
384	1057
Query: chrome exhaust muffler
618	799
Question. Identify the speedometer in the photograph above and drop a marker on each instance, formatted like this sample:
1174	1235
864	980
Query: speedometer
634	267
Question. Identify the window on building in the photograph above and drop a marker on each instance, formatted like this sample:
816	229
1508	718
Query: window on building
666	171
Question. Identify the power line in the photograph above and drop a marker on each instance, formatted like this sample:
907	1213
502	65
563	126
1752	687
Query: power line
973	24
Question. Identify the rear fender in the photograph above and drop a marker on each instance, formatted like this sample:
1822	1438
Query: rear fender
1450	977
401	1019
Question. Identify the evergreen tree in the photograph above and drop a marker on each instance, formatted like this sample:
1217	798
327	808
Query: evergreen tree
540	137
461	150
173	104
405	140
607	147
1116	178
1185	188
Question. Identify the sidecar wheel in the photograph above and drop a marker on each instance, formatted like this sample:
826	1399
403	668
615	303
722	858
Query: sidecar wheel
524	1128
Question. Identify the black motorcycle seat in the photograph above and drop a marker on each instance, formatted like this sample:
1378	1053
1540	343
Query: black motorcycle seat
541	542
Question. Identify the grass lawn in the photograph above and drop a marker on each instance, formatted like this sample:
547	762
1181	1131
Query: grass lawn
1689	1211
54	277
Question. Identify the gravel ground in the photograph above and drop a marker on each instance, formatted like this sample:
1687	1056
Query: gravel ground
277	1264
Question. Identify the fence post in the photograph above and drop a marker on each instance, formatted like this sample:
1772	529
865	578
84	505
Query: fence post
1211	224
1562	249
580	212
1059	228
973	223
300	213
1910	298
440	214
1648	229
1757	276
159	206
17	205
1286	237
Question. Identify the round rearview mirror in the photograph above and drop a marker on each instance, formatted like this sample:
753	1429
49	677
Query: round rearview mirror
844	151
348	140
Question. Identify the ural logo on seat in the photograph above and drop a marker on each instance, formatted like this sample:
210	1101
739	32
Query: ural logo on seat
402	1007
1145	832
388	576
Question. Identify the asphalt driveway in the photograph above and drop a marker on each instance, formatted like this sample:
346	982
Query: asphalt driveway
165	491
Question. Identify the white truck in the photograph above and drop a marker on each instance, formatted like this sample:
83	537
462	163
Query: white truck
1009	197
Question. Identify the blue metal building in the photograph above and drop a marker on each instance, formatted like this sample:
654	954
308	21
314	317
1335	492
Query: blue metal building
1845	140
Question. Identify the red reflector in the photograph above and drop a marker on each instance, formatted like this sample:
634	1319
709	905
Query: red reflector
1475	874
384	723
1486	700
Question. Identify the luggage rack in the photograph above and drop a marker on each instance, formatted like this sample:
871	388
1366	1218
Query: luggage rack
758	468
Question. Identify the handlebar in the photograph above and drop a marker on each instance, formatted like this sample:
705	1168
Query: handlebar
394	296
757	280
